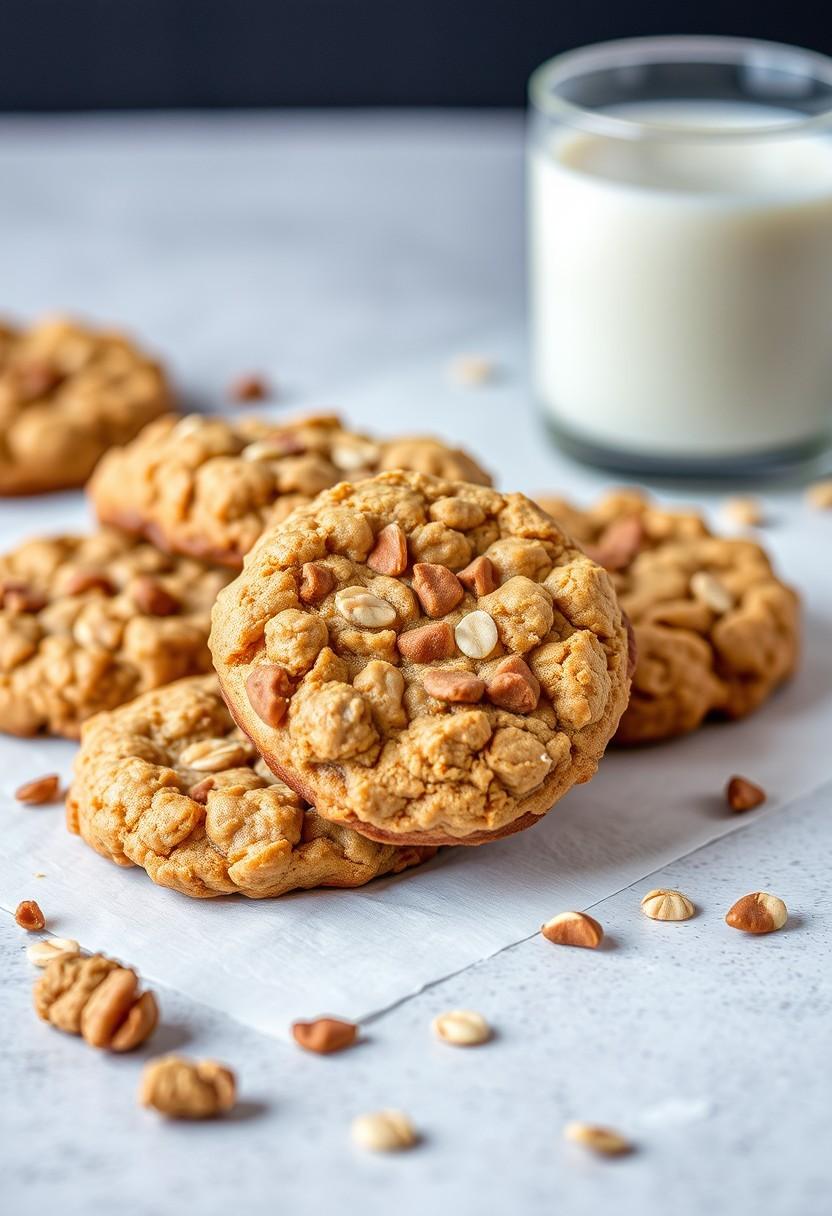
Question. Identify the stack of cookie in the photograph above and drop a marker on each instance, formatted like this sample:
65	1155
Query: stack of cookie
421	659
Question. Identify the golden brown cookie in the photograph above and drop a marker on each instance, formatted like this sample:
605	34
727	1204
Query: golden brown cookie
208	486
168	783
716	630
67	394
88	622
427	661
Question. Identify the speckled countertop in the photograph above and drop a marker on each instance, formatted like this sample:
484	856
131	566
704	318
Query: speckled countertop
347	257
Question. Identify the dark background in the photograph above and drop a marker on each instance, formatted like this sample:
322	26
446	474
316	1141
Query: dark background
117	54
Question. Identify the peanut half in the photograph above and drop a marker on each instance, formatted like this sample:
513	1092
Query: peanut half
214	755
601	1140
462	1027
758	912
41	953
39	791
386	1131
573	929
708	590
361	607
476	634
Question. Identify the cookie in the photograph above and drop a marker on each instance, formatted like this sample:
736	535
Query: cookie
716	631
88	622
67	394
427	661
169	784
208	486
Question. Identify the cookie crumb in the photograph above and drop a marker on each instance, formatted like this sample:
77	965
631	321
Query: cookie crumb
41	953
743	512
29	916
471	371
819	495
250	387
96	998
187	1089
743	795
39	791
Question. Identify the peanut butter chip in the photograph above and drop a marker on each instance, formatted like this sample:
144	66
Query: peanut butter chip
438	588
428	643
269	691
389	554
152	598
324	1035
316	583
480	576
458	686
476	635
513	686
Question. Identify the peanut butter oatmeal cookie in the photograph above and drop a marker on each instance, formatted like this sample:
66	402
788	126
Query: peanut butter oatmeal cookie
716	630
88	622
426	660
67	394
208	486
168	783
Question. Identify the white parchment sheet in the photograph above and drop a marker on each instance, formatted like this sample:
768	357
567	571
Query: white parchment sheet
355	952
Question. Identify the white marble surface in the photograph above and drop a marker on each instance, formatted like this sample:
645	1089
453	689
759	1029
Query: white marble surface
348	258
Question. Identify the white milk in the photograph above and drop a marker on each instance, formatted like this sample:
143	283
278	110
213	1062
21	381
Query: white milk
682	292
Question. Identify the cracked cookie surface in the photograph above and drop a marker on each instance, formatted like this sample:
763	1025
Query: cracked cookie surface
716	631
426	660
67	394
88	622
170	784
209	486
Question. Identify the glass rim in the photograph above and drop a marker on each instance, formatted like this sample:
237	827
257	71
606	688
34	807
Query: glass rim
634	52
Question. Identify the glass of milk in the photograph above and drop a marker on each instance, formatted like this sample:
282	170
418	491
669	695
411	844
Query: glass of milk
680	217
